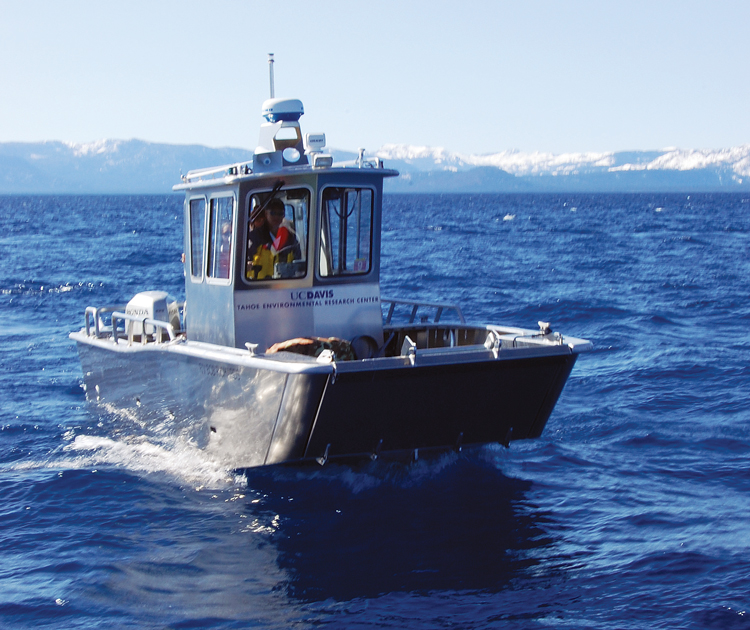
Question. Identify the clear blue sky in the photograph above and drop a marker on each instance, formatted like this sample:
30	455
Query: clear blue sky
470	76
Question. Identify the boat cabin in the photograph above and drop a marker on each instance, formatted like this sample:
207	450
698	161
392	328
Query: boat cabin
285	245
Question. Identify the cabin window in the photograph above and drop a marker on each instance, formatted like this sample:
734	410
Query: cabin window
277	234
221	220
197	224
346	231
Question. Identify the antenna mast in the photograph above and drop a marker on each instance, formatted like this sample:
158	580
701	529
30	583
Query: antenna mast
270	72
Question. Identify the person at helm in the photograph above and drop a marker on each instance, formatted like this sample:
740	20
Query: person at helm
271	241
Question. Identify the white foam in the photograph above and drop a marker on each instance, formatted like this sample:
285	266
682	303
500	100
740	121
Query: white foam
179	459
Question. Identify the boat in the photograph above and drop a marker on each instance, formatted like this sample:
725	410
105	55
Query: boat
284	350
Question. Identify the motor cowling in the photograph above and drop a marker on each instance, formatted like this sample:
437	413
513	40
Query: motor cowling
153	305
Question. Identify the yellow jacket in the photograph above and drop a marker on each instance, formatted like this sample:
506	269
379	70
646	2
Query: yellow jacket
263	263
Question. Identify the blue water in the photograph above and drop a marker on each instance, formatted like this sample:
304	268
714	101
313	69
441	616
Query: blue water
631	511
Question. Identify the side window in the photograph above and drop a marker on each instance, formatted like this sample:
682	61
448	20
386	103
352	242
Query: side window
346	231
221	211
277	234
197	223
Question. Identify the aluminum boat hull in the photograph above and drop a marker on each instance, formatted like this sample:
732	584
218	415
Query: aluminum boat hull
248	411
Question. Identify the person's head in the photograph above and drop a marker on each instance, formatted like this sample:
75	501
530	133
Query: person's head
258	221
274	214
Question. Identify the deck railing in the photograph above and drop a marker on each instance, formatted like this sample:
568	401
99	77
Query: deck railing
96	313
129	322
438	307
123	325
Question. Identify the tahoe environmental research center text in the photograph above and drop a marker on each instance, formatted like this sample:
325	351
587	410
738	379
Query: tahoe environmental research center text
306	299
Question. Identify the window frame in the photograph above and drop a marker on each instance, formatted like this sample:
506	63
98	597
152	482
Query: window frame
209	245
305	244
201	264
348	275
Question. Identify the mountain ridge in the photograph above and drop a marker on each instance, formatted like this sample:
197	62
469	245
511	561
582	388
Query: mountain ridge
137	166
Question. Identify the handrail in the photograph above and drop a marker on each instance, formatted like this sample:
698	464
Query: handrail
416	305
238	168
144	321
95	312
365	162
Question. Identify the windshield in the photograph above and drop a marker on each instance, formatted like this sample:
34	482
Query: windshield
277	234
346	231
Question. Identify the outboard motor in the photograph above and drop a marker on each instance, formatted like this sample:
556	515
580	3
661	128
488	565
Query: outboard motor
153	305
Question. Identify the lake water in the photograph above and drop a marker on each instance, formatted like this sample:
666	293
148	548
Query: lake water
631	511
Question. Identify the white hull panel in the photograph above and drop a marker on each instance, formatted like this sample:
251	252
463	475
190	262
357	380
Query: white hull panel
228	408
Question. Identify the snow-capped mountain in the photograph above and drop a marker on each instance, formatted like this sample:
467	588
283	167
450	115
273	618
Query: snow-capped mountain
666	169
518	163
135	166
104	166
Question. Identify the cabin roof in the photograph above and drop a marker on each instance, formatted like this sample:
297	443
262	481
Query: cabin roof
241	172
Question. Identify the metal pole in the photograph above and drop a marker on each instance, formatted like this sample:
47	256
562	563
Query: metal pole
359	221
270	72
